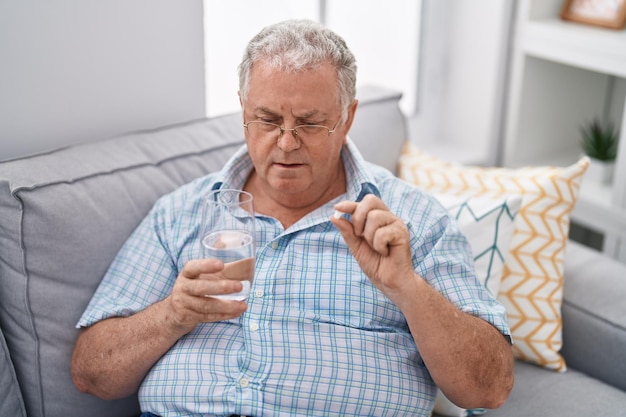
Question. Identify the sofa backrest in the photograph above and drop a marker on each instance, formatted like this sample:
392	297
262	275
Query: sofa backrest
65	214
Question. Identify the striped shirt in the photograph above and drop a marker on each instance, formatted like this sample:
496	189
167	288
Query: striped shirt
317	338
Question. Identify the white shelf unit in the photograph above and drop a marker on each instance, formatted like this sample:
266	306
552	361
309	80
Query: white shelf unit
563	75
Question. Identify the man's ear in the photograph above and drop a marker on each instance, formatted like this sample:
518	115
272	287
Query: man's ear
351	112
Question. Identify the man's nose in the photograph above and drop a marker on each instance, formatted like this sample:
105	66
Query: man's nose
288	142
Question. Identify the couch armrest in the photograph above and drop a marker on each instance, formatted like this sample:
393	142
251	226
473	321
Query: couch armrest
594	314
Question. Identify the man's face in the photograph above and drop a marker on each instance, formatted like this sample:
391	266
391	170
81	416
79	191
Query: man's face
288	168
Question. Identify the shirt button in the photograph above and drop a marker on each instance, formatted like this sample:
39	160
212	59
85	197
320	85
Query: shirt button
244	382
259	293
274	245
254	327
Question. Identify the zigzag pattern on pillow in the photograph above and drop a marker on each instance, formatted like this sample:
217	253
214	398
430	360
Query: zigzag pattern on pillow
532	283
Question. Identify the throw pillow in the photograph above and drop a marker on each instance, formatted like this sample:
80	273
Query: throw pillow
488	223
532	284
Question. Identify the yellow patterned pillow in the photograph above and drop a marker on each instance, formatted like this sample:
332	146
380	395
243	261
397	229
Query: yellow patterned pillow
532	283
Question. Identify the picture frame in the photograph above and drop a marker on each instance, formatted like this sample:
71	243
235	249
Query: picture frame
604	13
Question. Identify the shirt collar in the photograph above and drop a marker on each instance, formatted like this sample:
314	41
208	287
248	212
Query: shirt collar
360	181
236	171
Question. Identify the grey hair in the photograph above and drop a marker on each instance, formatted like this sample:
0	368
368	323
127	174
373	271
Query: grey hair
297	45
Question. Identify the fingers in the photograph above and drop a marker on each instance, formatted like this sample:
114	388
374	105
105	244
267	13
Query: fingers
363	211
346	230
211	309
211	286
370	220
188	311
191	298
206	277
196	267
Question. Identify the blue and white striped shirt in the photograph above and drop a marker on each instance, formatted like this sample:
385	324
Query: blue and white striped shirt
318	338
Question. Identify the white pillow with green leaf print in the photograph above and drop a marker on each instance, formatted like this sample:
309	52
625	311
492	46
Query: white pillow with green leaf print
488	223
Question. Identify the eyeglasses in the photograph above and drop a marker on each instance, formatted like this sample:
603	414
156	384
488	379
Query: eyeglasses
270	132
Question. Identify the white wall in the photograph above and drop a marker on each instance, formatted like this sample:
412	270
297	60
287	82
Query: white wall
75	70
383	36
229	25
463	79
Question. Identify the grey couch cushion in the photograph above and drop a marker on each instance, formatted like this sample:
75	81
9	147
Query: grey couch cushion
594	315
11	403
64	215
542	392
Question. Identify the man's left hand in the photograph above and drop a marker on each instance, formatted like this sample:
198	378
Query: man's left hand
379	241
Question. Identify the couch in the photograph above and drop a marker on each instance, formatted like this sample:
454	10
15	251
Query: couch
65	213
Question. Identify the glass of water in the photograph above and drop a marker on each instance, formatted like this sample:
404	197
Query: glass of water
227	234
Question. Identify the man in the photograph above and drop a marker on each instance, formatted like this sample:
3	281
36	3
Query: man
357	314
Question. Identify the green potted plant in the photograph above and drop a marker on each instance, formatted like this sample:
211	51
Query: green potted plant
599	143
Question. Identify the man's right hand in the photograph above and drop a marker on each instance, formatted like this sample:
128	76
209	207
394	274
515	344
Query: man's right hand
190	301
